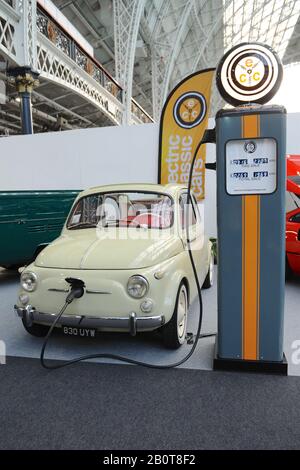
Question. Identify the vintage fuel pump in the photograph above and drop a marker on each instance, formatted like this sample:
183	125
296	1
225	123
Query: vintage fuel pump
251	180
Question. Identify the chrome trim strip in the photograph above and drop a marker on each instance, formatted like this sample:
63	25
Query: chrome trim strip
90	291
26	313
132	323
110	323
53	289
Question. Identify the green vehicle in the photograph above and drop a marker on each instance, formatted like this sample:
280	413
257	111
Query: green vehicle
29	220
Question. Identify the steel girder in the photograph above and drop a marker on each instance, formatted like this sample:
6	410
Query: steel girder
162	47
127	17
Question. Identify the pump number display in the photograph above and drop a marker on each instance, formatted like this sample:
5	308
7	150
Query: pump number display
239	175
261	175
240	161
258	161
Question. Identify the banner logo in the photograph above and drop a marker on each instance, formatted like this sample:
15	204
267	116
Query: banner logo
184	120
190	110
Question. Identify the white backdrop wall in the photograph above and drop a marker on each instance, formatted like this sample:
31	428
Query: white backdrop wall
90	157
79	159
293	133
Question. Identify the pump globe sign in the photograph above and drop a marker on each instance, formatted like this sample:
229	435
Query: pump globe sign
249	73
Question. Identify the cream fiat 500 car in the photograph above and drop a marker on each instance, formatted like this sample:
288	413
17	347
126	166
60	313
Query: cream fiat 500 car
127	243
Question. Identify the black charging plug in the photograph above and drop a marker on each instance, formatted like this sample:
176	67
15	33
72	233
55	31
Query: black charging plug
77	289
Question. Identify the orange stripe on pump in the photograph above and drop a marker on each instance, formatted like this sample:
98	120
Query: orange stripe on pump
250	274
251	126
250	257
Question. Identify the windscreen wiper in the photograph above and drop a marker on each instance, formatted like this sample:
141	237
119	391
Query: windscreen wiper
82	225
111	223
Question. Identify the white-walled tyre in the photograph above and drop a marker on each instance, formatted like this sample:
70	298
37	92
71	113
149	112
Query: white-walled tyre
209	280
174	331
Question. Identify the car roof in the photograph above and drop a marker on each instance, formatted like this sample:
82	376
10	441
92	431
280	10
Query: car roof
170	189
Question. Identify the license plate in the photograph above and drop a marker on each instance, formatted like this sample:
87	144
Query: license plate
80	332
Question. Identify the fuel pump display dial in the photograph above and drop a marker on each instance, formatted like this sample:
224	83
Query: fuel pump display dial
251	166
249	73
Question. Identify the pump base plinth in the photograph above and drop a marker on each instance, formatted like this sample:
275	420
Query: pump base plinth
239	365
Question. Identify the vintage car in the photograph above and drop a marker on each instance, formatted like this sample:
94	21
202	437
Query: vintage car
128	244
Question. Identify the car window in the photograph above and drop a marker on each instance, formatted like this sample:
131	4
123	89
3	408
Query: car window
184	207
295	218
124	209
196	207
86	211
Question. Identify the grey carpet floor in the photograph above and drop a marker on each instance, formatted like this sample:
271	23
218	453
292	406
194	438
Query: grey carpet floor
104	406
147	348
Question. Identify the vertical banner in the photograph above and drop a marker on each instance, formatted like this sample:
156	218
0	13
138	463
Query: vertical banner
183	121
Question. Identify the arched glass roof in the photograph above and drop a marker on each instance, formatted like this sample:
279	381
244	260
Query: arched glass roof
177	37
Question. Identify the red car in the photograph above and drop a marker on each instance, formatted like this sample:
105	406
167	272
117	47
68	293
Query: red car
293	241
293	215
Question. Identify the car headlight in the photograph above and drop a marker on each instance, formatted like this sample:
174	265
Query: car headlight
137	287
28	281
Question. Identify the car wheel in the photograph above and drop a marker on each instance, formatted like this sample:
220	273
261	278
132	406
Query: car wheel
174	331
209	280
36	329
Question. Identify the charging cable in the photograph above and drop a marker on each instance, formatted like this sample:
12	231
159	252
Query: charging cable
77	291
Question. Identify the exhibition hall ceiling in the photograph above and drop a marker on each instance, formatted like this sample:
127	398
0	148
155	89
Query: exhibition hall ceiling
110	62
177	37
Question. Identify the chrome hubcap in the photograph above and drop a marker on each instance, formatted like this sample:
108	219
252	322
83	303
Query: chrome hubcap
182	313
211	270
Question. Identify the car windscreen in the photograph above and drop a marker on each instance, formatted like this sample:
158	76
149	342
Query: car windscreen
122	209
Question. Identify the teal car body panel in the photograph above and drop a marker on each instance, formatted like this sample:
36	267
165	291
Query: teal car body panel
29	220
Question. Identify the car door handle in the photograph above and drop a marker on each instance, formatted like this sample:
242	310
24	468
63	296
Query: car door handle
20	222
190	240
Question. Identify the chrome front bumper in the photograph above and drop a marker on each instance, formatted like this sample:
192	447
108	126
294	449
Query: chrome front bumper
131	324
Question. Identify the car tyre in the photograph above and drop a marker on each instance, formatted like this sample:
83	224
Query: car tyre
36	330
209	280
174	331
288	271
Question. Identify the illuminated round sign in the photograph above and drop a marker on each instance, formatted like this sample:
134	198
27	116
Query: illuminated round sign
249	73
190	109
